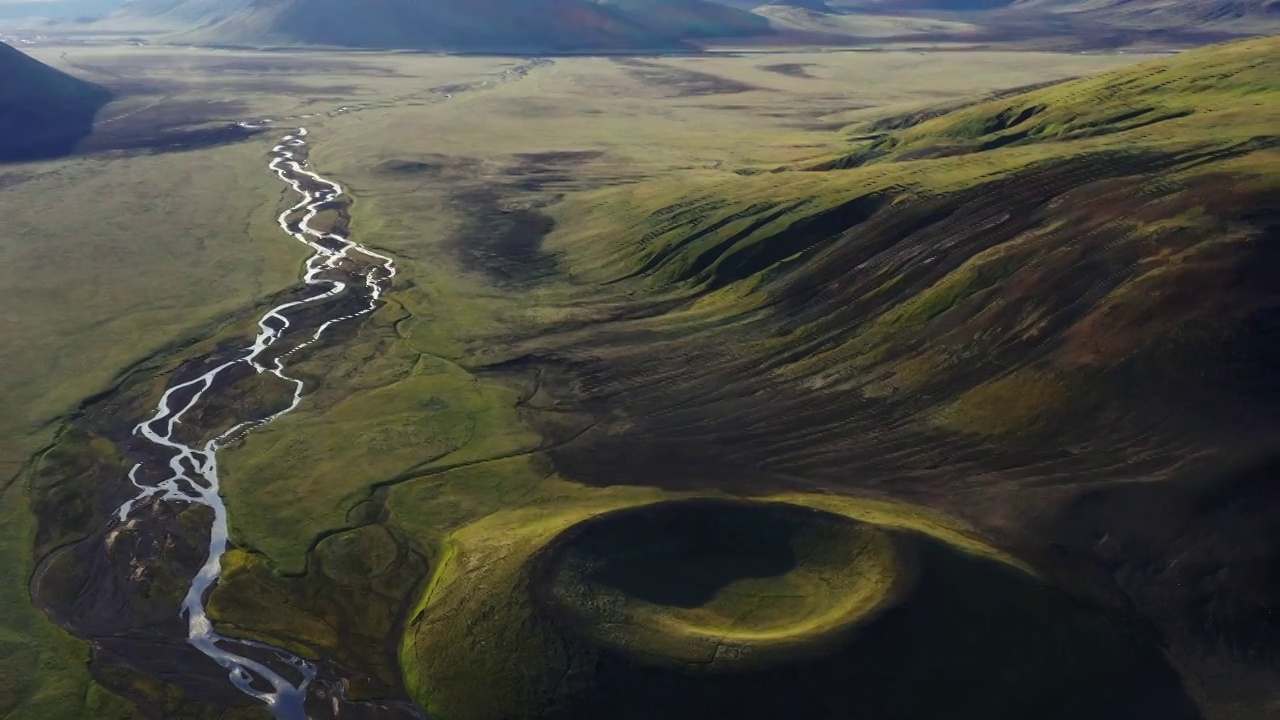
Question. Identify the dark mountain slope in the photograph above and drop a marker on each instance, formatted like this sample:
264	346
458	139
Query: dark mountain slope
1053	314
459	25
815	5
1250	16
43	112
690	18
939	5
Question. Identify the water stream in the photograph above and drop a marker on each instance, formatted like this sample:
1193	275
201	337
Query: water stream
187	472
191	474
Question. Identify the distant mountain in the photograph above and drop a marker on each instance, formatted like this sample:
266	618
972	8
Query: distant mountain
58	9
451	25
936	5
1250	16
815	5
43	112
1242	16
183	14
689	18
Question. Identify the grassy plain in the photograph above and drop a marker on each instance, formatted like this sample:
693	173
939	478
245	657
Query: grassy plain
431	181
122	256
146	253
108	262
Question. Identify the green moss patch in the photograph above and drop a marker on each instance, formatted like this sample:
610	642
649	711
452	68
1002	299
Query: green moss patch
717	583
701	608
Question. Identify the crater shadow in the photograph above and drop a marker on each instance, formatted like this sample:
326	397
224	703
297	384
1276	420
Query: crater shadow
879	621
961	634
684	559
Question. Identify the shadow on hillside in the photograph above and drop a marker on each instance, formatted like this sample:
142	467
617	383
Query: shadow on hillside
33	133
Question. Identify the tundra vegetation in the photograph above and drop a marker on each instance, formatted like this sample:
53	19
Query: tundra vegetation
706	384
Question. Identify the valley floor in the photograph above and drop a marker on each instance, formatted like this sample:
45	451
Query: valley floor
482	176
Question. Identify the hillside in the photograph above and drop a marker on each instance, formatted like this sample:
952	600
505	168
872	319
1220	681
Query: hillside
805	21
718	421
179	14
503	26
459	25
1047	314
1242	17
815	5
60	9
43	112
919	5
689	18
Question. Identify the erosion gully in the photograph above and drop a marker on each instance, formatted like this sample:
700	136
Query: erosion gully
176	460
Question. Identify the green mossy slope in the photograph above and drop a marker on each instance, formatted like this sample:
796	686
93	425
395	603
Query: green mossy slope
1046	241
512	627
1220	94
1046	313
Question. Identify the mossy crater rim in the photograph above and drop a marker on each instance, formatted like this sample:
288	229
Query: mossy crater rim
719	583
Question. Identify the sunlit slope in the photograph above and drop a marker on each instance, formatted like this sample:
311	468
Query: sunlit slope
43	112
814	607
1049	314
992	259
1214	95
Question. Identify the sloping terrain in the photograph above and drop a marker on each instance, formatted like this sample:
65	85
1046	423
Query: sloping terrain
821	26
916	5
180	14
691	609
1241	17
993	383
1052	314
483	25
1171	104
43	112
815	5
62	9
689	18
503	26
